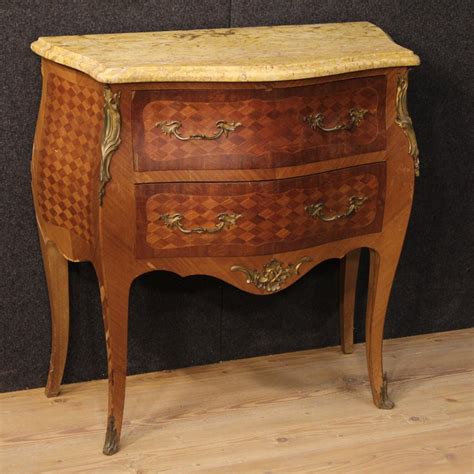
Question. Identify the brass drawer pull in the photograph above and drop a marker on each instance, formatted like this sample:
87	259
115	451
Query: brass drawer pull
273	275
175	220
316	210
355	118
172	128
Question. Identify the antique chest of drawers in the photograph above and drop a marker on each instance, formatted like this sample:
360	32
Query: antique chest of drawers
250	155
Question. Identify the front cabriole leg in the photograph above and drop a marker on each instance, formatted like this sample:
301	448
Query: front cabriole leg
382	272
115	296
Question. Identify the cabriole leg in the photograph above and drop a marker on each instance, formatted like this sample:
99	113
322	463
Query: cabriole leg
382	272
349	268
57	279
115	296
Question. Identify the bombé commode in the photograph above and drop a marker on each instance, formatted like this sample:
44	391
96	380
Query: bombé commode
247	154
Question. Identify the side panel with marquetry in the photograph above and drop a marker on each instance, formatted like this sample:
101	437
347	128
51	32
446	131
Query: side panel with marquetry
68	155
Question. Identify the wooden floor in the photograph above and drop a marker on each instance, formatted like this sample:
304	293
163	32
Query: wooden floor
301	412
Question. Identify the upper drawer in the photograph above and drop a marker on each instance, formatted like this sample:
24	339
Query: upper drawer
186	129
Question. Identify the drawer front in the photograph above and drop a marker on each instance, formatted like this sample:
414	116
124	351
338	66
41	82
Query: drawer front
258	218
266	127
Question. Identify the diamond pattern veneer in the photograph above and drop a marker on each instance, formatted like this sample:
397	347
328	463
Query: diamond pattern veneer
273	219
68	155
273	131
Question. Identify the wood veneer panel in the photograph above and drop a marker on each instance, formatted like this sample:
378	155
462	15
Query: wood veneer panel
273	213
273	131
68	154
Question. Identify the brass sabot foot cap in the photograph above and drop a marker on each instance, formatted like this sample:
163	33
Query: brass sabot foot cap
385	403
112	439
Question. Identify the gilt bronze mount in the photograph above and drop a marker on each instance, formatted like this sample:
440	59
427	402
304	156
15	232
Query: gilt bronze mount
273	275
316	210
110	137
172	129
225	221
316	121
403	119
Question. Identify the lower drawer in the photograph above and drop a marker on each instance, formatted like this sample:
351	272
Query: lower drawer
258	218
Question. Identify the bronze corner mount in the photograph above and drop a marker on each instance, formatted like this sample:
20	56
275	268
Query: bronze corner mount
404	121
110	137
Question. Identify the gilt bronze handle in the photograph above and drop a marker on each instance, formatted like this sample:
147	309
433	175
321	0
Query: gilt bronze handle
225	221
316	210
172	128
355	118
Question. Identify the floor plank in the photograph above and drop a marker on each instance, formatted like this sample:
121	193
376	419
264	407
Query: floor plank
306	411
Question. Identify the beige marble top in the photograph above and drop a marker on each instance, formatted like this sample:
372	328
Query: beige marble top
226	55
